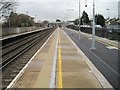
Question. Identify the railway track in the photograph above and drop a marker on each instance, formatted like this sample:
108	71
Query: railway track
17	53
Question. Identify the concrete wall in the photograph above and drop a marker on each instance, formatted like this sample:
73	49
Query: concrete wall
11	30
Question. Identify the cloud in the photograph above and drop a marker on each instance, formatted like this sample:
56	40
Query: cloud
53	9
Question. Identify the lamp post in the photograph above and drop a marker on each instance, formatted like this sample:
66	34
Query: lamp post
27	18
70	10
79	22
9	17
93	29
36	17
35	20
108	12
66	17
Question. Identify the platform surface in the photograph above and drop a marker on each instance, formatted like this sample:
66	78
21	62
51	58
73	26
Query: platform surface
60	64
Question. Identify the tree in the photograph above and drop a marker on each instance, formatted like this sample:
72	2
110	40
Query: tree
76	21
58	20
6	7
26	20
13	18
85	19
45	23
16	20
100	20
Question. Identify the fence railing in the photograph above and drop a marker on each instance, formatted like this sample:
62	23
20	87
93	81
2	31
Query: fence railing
113	34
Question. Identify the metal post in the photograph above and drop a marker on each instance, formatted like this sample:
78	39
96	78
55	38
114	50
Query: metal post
26	18
93	28
79	22
9	21
35	20
36	17
9	17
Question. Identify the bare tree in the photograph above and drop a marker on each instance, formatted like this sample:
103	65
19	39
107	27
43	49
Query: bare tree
6	6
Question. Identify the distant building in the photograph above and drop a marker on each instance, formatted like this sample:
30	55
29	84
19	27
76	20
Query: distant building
112	21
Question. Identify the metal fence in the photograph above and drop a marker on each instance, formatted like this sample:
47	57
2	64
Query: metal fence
113	34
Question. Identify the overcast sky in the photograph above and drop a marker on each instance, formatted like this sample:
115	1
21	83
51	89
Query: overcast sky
53	9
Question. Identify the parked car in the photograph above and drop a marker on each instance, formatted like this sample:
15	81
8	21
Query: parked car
98	26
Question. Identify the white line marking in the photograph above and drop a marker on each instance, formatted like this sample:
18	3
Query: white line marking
103	81
111	47
23	70
53	75
102	61
90	38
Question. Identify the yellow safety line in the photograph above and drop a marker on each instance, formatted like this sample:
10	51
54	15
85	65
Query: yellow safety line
60	85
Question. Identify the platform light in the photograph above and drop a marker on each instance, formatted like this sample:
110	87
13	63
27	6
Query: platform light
85	3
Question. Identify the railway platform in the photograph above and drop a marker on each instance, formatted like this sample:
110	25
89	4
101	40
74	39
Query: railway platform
59	63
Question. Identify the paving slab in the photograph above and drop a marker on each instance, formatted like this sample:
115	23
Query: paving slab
38	72
81	79
71	69
74	71
74	66
27	80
